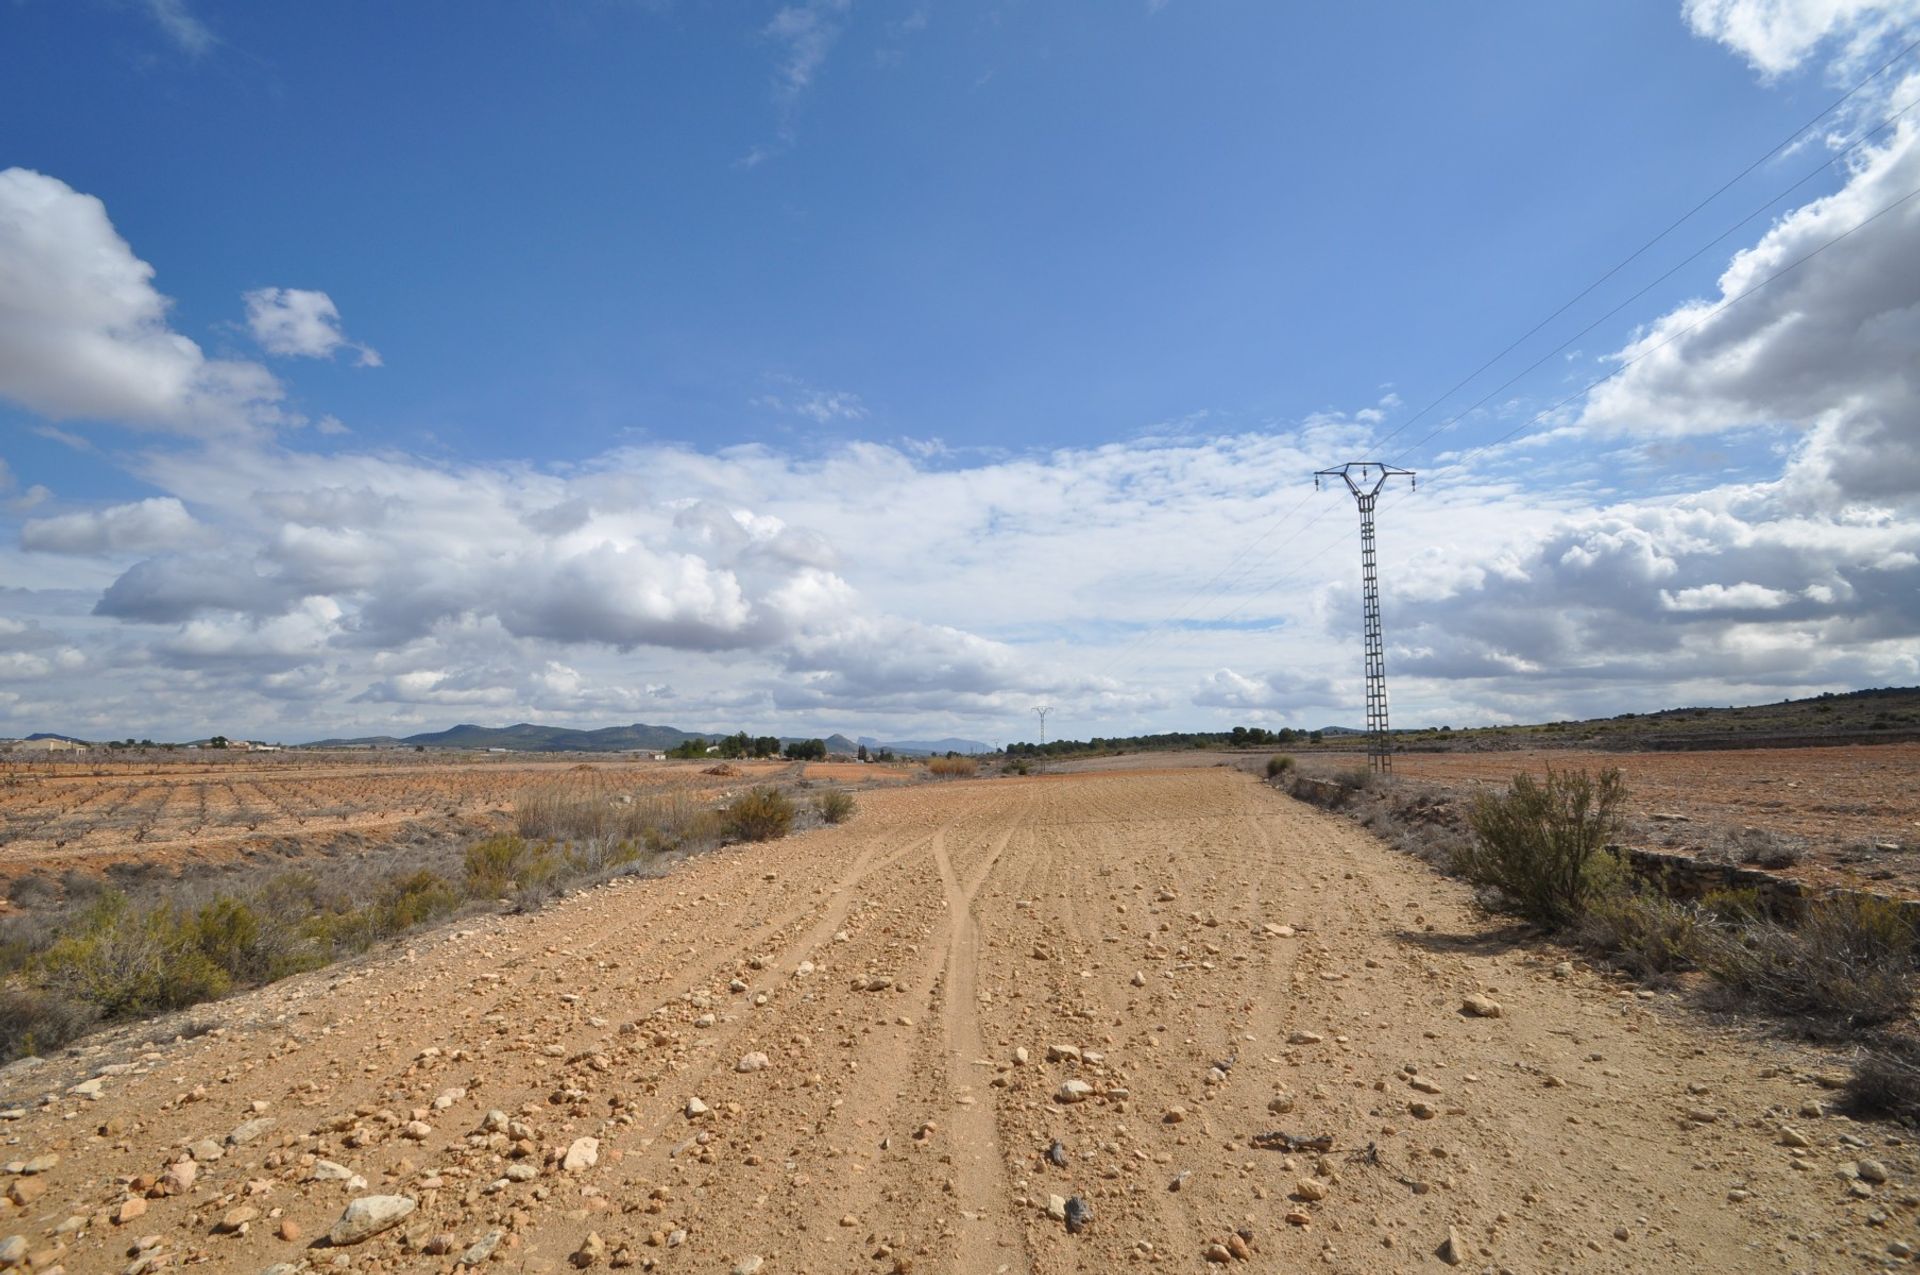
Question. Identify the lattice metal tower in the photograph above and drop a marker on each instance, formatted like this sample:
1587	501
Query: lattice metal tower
1041	712
1365	479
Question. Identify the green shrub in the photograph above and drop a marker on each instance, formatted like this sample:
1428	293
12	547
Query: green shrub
127	963
413	900
1850	962
229	933
1278	765
834	806
1542	844
506	864
760	814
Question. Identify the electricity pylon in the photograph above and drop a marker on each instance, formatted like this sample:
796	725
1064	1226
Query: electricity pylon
1364	479
1041	712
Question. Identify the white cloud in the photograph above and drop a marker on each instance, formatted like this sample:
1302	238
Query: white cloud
807	33
83	333
182	27
302	323
146	526
1776	36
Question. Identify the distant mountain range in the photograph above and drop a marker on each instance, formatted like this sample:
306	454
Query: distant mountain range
526	737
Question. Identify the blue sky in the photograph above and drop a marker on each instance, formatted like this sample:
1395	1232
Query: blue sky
885	367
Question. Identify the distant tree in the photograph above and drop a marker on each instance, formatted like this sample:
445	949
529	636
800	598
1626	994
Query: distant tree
739	744
218	741
766	746
695	747
862	754
807	750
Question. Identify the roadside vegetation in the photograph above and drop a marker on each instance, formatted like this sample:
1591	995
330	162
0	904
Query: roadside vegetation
1842	968
120	950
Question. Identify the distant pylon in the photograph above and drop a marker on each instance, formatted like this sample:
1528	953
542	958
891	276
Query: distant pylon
1041	712
1364	479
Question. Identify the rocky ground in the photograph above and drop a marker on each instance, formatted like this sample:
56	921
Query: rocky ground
1094	1021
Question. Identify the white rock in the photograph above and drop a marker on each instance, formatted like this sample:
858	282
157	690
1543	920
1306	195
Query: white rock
695	1109
1074	1091
368	1216
583	1154
751	1062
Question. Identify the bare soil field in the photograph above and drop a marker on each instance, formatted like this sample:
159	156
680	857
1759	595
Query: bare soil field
161	810
1244	1024
1838	808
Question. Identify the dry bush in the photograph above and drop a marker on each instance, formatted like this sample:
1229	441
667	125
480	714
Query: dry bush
1850	963
1641	930
759	814
1886	1080
34	1020
1278	765
833	806
953	767
1765	848
1541	846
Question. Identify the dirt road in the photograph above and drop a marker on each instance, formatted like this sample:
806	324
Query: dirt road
1225	962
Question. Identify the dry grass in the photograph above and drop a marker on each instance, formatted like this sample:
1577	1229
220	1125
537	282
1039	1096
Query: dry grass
953	767
1849	964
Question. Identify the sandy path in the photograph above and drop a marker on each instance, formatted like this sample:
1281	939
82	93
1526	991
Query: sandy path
1138	916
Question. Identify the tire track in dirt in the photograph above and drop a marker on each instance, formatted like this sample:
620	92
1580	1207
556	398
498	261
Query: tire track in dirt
979	1159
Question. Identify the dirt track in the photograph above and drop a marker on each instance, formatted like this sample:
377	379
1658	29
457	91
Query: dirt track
1585	1128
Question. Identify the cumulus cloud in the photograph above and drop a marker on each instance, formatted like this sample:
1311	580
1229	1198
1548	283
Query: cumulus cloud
1778	35
301	323
84	335
146	526
1812	329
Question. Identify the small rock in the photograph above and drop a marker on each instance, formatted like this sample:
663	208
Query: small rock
1453	1249
1281	1103
1057	1154
13	1250
1239	1248
234	1219
1310	1189
695	1109
1481	1007
1304	1038
591	1250
1057	1207
748	1265
178	1178
1791	1137
368	1216
251	1130
129	1210
1073	1091
1217	1253
1139	979
440	1245
1872	1171
288	1230
751	1062
583	1154
481	1249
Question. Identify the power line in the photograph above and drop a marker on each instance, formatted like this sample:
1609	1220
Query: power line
1198	597
1637	253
